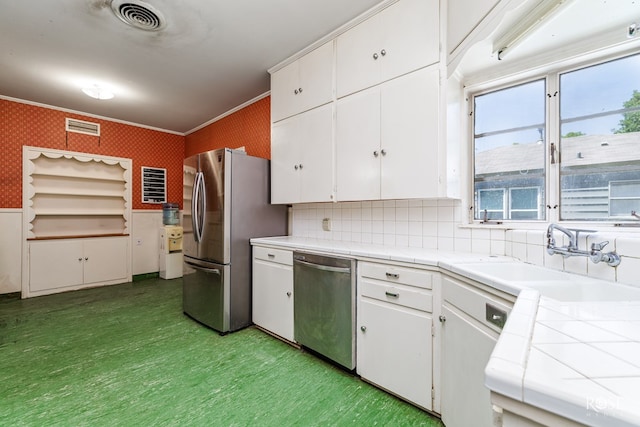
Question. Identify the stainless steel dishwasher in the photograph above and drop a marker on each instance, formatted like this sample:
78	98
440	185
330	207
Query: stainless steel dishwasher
324	306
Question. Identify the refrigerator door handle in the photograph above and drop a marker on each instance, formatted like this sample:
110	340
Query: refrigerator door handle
199	267
198	207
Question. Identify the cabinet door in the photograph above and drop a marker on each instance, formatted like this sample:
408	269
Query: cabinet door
465	352
358	146
285	161
105	259
273	297
395	350
358	56
315	138
284	91
304	84
400	39
409	135
316	77
411	37
55	264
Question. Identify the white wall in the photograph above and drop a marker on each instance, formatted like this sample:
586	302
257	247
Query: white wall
438	224
145	230
10	250
145	241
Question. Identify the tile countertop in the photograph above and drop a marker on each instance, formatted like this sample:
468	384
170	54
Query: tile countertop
571	344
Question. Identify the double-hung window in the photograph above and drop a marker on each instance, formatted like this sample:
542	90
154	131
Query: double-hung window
509	152
571	152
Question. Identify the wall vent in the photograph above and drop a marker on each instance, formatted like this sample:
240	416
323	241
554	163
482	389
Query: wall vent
80	126
154	185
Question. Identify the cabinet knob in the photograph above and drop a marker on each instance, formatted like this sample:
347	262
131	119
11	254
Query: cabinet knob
300	166
375	56
383	52
383	152
79	259
442	319
295	167
363	328
295	91
300	90
289	293
375	154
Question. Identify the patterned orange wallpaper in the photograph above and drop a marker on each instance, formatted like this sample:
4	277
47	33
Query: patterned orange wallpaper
249	127
24	124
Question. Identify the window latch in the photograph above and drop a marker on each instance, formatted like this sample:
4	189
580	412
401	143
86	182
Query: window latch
553	153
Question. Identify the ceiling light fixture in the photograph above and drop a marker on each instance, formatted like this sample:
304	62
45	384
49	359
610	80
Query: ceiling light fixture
520	32
98	92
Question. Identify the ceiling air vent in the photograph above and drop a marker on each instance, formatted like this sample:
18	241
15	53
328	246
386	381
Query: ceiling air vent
138	14
80	126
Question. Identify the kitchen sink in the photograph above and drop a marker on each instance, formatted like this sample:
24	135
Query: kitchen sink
515	272
589	291
554	284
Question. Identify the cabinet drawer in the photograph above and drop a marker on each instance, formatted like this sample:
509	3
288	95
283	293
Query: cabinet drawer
394	274
401	295
476	303
274	255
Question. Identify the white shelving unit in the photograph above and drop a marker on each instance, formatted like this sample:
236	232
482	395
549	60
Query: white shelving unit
74	200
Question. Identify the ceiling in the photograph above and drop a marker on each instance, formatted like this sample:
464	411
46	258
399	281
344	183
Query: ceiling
210	57
573	28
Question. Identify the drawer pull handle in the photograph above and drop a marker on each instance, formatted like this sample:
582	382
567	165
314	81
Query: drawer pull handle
392	294
393	275
363	328
271	255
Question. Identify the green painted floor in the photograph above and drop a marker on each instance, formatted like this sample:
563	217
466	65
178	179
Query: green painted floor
126	356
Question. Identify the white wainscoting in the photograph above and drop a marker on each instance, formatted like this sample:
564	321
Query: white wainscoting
10	250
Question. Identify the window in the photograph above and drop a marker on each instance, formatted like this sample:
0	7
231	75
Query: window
509	130
600	140
491	203
565	146
624	198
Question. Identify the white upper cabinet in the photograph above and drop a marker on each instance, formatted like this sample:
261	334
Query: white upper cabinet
463	17
304	84
401	38
387	144
302	157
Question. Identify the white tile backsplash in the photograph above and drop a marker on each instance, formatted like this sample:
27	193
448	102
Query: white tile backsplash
436	224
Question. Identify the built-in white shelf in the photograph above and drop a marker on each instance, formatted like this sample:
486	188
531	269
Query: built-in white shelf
75	194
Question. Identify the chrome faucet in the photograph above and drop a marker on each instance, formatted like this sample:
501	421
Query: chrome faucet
551	241
595	254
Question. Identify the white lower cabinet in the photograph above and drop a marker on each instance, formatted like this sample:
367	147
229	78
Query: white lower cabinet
394	339
468	338
273	290
65	264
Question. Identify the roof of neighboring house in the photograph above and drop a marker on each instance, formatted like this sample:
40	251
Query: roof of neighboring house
574	152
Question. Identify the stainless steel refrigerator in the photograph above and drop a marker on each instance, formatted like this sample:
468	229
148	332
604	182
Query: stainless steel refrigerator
227	204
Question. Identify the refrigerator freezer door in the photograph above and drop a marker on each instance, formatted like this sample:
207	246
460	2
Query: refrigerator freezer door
204	294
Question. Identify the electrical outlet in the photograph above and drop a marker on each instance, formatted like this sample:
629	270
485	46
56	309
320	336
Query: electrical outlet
138	242
326	224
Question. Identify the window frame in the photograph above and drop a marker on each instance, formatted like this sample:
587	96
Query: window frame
552	136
